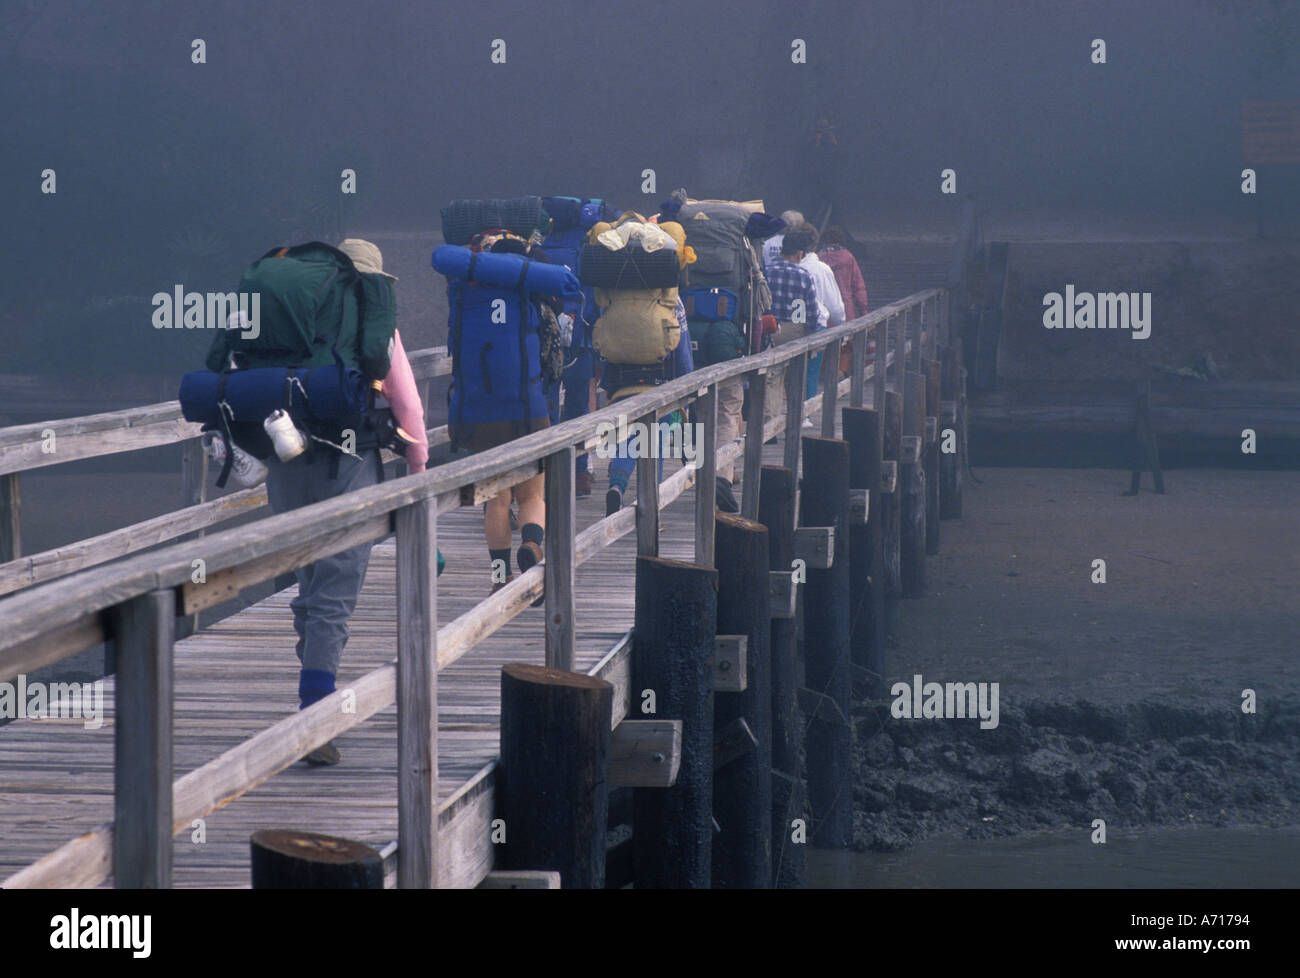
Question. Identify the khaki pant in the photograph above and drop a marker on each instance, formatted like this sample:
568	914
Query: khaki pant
774	400
731	398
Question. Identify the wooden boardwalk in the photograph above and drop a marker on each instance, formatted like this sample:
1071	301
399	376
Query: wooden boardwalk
238	677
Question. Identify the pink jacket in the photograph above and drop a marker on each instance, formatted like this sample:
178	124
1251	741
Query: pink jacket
400	391
852	288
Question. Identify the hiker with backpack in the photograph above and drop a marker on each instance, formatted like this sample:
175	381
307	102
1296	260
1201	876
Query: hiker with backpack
571	219
726	297
299	392
499	327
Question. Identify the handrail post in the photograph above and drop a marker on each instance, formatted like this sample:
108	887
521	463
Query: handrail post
11	528
858	369
560	612
754	433
144	631
647	489
706	476
796	378
418	857
830	381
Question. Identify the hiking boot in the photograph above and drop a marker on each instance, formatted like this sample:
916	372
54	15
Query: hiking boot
529	556
582	484
613	500
498	585
726	499
323	756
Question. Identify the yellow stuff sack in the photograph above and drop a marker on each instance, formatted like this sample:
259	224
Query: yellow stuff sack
636	326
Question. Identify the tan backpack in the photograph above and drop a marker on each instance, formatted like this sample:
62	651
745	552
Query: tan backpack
636	326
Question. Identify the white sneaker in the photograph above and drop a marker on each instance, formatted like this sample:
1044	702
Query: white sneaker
248	471
807	423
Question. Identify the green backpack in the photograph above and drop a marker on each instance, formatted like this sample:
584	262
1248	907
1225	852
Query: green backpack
311	307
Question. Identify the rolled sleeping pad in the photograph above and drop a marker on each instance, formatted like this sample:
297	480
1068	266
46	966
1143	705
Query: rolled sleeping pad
505	271
630	267
462	219
330	392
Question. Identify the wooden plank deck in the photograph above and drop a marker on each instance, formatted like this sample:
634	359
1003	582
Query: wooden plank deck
240	676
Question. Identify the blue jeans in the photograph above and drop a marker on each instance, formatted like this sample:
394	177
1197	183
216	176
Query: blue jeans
327	588
621	466
814	372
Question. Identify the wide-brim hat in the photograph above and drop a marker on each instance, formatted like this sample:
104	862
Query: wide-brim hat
366	256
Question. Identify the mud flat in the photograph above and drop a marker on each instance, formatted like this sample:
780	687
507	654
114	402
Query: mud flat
1119	700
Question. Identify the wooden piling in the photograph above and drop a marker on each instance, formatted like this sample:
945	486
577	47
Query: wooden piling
742	788
891	512
776	512
950	463
672	656
824	501
552	781
11	526
930	452
911	474
285	859
866	591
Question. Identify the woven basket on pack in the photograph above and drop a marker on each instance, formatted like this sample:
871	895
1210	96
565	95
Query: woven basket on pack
628	268
462	219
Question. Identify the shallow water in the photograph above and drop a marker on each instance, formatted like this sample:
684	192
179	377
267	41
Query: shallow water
1251	858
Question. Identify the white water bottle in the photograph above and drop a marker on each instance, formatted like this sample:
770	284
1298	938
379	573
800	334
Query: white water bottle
288	440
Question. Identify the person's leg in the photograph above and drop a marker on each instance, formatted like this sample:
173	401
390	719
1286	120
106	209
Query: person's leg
532	524
577	402
814	374
287	488
731	397
335	582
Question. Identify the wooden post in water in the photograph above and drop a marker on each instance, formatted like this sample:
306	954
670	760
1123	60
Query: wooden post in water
672	660
776	512
930	453
866	591
552	780
292	860
891	509
742	786
824	501
417	695
950	463
912	483
144	629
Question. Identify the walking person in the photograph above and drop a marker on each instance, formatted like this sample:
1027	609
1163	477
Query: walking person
795	307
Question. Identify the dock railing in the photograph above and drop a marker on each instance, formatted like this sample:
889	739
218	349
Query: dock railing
135	602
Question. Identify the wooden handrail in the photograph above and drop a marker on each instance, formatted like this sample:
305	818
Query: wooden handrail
51	621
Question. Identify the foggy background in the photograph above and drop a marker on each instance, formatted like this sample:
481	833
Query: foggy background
173	172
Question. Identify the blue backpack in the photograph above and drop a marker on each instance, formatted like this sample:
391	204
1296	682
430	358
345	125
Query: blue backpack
571	219
496	366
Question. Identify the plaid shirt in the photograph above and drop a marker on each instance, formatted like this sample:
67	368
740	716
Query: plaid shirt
789	282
